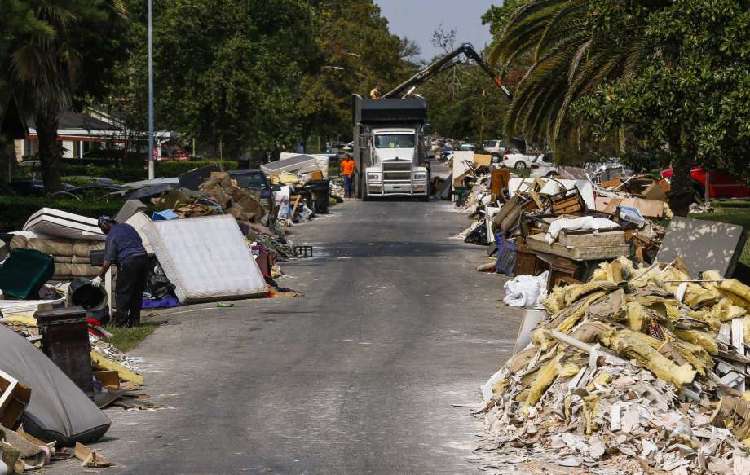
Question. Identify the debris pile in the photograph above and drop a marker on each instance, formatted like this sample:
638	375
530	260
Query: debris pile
566	222
241	203
642	369
208	236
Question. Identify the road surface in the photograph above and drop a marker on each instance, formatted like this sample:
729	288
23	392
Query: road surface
356	377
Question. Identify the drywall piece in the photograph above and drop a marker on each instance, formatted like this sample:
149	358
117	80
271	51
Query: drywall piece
206	258
702	245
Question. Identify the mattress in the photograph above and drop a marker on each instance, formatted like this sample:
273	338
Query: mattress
206	258
54	246
60	224
140	222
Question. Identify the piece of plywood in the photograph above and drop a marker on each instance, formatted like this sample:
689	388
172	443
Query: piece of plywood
703	245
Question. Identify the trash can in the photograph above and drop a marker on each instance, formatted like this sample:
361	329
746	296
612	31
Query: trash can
65	340
85	294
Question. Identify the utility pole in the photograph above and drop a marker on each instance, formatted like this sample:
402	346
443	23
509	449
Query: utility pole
150	94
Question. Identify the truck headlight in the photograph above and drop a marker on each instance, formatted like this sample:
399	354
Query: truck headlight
420	176
373	176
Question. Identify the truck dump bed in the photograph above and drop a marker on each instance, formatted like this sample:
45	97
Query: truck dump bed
389	111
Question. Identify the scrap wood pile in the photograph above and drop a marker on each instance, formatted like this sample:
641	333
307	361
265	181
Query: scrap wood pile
639	370
564	225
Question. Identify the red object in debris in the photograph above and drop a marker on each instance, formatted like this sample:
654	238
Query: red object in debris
720	184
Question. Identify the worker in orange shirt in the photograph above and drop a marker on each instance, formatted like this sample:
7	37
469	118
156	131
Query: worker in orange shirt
347	171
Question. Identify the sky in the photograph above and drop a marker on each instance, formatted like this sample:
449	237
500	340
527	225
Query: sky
418	19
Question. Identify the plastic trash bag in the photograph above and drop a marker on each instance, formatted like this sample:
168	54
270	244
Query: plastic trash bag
526	290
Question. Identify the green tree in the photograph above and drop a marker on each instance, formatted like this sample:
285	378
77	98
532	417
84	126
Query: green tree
357	52
464	103
690	97
227	72
566	49
62	54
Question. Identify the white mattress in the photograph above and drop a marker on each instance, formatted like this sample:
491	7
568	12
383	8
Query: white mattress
206	258
140	222
60	224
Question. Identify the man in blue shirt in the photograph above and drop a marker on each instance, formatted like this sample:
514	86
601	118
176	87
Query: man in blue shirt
124	248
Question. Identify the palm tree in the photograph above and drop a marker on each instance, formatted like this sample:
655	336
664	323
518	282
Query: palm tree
46	64
569	58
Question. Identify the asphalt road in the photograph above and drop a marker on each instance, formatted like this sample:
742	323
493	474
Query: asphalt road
357	377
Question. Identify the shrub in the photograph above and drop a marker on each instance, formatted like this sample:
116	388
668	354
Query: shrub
176	168
137	171
15	210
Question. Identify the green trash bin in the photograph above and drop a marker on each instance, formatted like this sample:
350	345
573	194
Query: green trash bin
461	194
24	272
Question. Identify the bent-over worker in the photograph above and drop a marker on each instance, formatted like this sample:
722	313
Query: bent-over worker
124	248
347	171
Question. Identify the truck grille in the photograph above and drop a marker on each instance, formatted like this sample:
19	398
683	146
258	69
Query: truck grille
396	166
405	175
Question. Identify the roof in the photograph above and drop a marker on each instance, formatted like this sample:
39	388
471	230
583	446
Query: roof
78	121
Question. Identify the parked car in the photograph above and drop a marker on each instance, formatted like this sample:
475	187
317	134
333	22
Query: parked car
467	147
521	161
541	165
494	147
253	180
720	184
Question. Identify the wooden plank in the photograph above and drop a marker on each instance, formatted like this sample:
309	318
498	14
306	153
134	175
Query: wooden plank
100	361
109	379
90	458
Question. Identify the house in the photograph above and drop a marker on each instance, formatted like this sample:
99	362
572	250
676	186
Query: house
83	133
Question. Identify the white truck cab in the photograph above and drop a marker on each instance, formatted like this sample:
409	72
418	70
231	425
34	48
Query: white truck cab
395	168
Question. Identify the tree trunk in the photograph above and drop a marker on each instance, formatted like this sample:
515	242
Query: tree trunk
50	150
681	193
7	159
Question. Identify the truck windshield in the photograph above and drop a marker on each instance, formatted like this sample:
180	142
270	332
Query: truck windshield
394	141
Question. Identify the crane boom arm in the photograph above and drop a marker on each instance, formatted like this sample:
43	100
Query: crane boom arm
442	64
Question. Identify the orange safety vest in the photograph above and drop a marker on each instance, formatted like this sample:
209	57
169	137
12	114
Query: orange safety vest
347	167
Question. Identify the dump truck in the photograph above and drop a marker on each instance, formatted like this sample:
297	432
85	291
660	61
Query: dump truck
390	146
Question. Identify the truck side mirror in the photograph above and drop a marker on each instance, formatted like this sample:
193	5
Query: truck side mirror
427	129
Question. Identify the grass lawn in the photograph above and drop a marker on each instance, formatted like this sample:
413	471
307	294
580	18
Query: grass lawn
735	215
125	339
